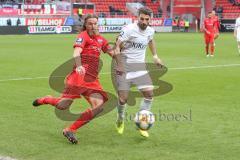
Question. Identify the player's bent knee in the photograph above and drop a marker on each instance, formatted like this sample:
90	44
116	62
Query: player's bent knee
98	104
147	93
96	109
122	100
64	104
150	97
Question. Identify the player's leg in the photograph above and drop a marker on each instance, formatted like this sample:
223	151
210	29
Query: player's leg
216	35
207	49
146	102
144	84
122	100
46	100
58	102
96	101
206	37
123	86
212	47
62	102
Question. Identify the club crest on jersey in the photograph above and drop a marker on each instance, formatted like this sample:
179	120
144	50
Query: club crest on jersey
79	40
121	34
100	41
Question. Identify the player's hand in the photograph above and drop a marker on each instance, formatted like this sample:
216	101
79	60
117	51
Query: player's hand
157	61
80	70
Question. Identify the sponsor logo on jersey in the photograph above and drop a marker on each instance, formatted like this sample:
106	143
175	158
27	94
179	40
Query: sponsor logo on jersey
79	41
100	41
138	45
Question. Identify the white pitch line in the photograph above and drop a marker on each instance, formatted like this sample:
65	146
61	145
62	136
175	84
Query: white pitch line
22	78
6	158
201	67
103	73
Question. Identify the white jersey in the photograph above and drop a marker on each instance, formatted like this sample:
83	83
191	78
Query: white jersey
237	27
135	42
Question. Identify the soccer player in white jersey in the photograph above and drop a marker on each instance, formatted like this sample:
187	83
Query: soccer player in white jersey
237	32
131	49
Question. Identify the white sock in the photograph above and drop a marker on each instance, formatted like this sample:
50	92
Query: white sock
146	104
121	111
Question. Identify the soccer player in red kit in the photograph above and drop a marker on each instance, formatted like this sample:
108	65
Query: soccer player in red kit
208	28
216	24
83	80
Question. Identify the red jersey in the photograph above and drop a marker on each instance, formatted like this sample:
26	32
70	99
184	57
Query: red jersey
209	25
92	47
216	22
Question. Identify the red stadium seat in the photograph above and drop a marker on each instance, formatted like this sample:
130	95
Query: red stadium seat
230	11
103	6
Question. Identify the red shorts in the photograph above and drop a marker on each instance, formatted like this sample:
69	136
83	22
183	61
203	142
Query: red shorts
209	38
77	85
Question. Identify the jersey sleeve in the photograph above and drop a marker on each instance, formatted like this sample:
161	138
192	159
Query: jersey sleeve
105	46
151	35
80	41
237	24
125	34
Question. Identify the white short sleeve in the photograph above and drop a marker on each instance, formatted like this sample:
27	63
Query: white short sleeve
237	24
125	34
151	36
152	31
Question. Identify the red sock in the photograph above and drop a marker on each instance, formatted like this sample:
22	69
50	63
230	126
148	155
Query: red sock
206	49
85	117
212	49
49	100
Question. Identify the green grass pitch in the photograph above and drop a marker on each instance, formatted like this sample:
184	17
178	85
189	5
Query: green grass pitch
205	94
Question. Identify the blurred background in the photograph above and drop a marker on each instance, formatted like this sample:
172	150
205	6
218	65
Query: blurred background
60	16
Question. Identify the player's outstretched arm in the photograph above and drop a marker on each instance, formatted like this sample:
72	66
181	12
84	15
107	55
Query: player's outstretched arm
77	56
153	50
117	56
